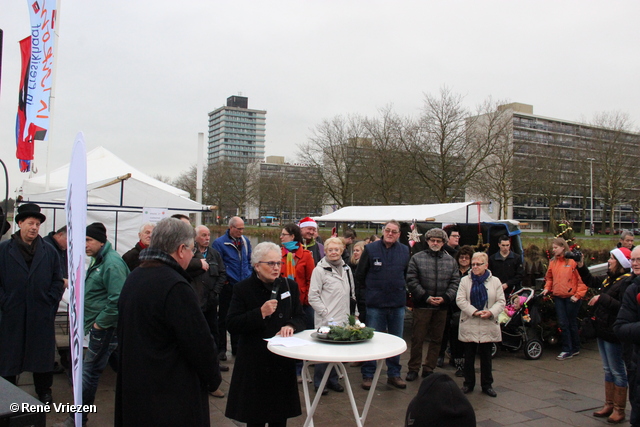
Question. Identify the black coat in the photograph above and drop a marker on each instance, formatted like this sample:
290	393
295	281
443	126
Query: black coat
263	386
167	355
207	284
29	299
627	329
608	305
509	270
132	256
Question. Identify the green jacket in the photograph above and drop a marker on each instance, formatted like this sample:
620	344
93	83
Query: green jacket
102	287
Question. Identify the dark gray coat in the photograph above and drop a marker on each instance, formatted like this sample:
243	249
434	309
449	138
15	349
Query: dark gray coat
432	274
29	299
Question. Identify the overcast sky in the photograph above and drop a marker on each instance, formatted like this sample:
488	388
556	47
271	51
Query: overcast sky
140	77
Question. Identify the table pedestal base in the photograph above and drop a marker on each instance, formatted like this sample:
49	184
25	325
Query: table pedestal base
311	407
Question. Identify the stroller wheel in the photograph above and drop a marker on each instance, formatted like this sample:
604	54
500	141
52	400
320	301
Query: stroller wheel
494	350
533	349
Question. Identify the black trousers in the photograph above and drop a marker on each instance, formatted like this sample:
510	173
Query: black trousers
211	314
223	309
41	380
486	377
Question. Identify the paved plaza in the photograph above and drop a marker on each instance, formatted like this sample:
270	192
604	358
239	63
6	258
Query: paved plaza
545	392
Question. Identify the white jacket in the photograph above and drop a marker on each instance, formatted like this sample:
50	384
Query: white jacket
330	292
474	328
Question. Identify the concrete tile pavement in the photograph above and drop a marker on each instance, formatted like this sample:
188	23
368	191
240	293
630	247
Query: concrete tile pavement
544	392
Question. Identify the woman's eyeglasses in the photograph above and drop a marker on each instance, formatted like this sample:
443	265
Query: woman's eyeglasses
271	264
477	264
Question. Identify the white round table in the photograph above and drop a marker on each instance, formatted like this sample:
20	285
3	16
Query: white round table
380	347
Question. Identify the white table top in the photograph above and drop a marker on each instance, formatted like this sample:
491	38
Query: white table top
380	346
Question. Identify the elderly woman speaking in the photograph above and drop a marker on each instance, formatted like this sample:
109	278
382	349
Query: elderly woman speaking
263	386
330	294
480	299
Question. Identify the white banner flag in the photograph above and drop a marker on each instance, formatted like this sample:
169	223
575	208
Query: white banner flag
76	211
40	74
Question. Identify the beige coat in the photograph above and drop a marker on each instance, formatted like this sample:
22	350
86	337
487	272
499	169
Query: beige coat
474	328
329	293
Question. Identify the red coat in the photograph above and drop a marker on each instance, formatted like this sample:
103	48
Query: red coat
303	271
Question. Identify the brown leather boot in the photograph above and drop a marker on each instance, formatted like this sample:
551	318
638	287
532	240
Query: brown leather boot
608	401
619	403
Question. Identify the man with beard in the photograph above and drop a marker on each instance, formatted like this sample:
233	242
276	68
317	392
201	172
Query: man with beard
432	279
309	229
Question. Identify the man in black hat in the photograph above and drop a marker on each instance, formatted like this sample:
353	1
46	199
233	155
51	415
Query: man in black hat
31	286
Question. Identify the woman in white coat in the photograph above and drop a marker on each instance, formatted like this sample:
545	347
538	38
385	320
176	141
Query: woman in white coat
330	294
481	300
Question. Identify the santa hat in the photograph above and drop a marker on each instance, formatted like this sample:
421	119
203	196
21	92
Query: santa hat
307	222
622	255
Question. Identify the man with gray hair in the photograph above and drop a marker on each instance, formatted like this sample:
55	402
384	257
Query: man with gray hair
167	354
235	250
626	240
131	258
432	279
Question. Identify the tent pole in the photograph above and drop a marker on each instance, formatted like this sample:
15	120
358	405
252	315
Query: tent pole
199	175
117	213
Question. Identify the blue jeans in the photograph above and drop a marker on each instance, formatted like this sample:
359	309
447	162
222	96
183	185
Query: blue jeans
318	372
612	362
567	312
102	342
390	320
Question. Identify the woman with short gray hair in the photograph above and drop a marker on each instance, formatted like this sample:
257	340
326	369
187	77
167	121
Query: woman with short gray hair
263	386
481	299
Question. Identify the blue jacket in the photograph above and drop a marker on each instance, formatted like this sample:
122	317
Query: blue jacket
237	262
381	275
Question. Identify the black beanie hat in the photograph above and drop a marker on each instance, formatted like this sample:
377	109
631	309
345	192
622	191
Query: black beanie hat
97	231
440	402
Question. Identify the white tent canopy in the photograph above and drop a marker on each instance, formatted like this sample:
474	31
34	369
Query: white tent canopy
442	212
117	194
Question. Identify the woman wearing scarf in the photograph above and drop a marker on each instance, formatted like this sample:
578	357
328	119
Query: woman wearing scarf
297	265
612	287
330	295
480	299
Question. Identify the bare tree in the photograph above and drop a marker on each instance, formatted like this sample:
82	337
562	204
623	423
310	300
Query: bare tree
613	147
187	181
335	149
549	177
163	178
494	126
387	178
445	158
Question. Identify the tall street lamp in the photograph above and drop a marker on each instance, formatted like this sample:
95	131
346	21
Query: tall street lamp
591	174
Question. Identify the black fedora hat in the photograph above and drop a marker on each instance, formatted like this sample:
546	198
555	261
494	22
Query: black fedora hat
29	210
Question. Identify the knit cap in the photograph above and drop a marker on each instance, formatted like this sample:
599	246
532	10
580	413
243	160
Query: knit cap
97	231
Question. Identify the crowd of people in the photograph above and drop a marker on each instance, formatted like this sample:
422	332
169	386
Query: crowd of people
161	314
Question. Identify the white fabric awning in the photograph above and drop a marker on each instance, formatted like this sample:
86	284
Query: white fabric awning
441	212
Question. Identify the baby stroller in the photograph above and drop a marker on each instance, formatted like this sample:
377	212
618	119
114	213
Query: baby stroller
523	330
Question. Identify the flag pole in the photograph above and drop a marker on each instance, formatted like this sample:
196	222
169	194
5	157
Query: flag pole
52	99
